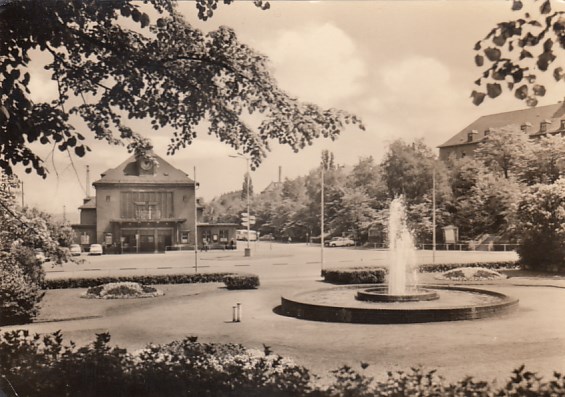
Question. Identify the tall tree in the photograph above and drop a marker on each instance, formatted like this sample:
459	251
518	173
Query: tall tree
544	161
112	62
514	52
247	186
503	150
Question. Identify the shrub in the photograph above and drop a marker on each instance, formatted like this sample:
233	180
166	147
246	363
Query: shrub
470	274
41	365
355	275
88	282
444	267
19	295
241	281
541	227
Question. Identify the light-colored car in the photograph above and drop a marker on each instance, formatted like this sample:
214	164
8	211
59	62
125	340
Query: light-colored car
76	250
95	249
340	242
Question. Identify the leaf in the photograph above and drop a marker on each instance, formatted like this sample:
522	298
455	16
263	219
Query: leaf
545	7
494	90
518	75
499	40
478	97
521	92
477	46
479	60
79	151
493	54
558	73
525	54
539	90
531	102
545	59
547	45
517	5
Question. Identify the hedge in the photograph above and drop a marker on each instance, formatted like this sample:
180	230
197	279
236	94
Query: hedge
241	281
443	267
87	282
42	365
355	275
377	275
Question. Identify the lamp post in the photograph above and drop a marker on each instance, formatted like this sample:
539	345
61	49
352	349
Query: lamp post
322	219
248	176
195	225
434	216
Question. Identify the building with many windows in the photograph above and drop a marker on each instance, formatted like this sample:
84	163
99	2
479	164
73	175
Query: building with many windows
535	122
145	206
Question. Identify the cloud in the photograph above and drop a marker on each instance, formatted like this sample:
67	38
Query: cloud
318	63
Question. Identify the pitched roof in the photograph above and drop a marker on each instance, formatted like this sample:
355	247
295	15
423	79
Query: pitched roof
535	116
89	203
127	172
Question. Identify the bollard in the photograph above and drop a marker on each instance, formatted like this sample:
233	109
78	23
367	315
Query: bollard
234	318
239	310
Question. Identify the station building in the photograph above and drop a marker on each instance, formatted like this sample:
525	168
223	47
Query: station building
146	205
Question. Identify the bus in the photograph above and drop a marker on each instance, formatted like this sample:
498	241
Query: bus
241	234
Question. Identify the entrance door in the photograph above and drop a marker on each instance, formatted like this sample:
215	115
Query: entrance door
164	239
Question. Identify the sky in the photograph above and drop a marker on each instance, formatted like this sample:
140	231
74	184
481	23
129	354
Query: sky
405	67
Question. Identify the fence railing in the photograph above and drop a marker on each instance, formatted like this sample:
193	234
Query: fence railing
457	247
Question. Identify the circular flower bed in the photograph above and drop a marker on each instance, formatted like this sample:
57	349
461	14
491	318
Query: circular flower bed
470	274
121	290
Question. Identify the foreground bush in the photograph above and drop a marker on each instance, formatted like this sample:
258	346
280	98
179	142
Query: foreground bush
241	281
19	294
35	365
355	275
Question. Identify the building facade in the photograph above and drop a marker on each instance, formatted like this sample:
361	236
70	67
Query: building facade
142	205
535	122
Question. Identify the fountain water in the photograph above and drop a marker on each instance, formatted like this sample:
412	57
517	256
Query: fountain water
402	252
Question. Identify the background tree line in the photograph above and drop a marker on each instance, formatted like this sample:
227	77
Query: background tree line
480	194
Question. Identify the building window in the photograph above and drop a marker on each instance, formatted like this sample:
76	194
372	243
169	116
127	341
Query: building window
562	126
224	235
184	237
543	127
487	132
107	198
185	198
470	137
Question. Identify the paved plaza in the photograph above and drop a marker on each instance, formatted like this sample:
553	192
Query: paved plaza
486	349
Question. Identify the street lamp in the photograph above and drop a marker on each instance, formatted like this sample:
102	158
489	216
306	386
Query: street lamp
248	176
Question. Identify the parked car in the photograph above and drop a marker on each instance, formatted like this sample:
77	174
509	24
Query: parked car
40	256
96	249
267	237
76	250
340	242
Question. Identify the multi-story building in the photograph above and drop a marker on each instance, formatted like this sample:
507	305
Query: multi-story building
145	206
535	122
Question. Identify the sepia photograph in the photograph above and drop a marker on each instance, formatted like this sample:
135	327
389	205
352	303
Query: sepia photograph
232	198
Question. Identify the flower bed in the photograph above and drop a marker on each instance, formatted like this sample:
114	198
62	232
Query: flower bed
121	290
470	274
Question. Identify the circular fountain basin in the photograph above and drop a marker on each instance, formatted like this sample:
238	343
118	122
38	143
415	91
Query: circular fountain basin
380	294
338	304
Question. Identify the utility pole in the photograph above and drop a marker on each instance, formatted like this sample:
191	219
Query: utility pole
195	225
322	219
434	215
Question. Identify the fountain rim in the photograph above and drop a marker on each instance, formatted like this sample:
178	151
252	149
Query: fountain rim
396	314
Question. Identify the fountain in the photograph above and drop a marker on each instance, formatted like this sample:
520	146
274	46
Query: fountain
402	300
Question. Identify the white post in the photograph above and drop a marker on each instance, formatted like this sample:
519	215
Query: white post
248	179
239	312
234	314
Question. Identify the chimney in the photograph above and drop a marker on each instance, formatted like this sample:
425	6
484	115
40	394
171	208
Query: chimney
280	174
87	181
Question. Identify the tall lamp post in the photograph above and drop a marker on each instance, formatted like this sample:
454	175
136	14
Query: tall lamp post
322	219
248	176
195	225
